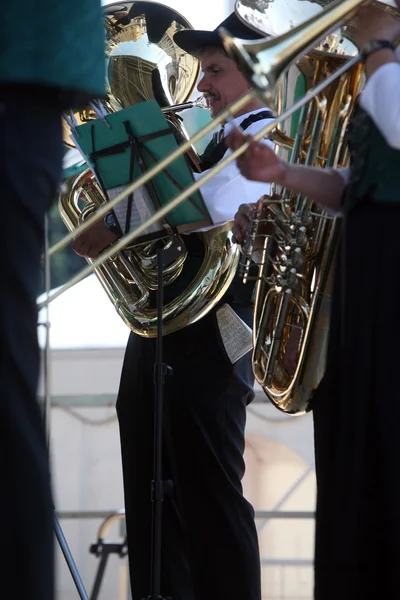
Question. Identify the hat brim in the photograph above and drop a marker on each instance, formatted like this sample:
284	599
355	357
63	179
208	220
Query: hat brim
192	41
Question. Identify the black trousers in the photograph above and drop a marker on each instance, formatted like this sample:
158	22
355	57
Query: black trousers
209	540
356	416
30	170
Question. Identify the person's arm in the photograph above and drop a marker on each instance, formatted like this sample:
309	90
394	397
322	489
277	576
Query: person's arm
381	95
260	163
323	186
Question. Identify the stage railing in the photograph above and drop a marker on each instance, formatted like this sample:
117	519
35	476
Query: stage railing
102	549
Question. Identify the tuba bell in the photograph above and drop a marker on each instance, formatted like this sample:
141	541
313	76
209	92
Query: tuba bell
300	240
144	63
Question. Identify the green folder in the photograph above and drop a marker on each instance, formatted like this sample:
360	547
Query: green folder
122	146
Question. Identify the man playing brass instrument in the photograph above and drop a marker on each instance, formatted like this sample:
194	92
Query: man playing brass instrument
210	548
356	408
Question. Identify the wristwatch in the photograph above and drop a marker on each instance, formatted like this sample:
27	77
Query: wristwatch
375	45
111	223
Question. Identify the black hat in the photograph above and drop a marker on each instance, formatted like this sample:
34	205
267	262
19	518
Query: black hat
192	41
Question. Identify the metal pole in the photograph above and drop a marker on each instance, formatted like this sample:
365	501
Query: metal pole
47	410
46	326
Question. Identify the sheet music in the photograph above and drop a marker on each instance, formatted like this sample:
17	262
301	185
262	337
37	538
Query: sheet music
236	335
142	209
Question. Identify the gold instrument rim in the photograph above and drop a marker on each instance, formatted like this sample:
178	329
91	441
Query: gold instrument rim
178	14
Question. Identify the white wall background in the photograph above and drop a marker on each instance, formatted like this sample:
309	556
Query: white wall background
87	476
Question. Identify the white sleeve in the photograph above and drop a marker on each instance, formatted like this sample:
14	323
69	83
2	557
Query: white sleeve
227	190
381	100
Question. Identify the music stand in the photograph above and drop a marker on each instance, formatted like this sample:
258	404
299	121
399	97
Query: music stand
119	148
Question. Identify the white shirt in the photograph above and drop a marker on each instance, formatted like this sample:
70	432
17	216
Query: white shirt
227	190
380	98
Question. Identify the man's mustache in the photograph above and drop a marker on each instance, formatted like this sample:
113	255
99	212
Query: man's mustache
212	96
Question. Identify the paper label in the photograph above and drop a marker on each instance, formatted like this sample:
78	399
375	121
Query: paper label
236	335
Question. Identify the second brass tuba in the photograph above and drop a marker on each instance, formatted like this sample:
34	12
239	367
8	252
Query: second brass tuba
293	292
143	62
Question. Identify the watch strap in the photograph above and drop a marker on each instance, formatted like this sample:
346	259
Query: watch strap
374	46
111	223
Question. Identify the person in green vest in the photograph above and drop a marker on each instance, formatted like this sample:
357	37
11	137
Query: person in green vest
51	59
356	408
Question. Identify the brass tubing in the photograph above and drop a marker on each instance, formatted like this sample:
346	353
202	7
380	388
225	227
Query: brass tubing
127	239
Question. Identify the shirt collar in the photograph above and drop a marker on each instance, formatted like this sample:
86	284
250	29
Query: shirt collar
238	120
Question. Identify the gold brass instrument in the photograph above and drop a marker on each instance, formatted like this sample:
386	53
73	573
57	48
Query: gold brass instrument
312	25
286	53
293	290
294	284
142	61
136	38
129	277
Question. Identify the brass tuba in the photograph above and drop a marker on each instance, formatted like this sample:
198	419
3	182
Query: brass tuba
294	284
143	62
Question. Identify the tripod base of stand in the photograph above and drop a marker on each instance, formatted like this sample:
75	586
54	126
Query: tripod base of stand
69	560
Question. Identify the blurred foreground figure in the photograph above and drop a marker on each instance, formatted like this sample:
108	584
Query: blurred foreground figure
51	58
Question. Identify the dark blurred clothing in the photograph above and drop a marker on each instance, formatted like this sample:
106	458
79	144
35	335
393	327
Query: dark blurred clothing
356	408
30	169
54	43
51	56
375	166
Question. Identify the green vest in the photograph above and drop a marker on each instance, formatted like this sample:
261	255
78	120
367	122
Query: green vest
56	43
374	165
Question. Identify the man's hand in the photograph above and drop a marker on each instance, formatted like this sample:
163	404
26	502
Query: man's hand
241	226
94	240
373	23
259	162
241	223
